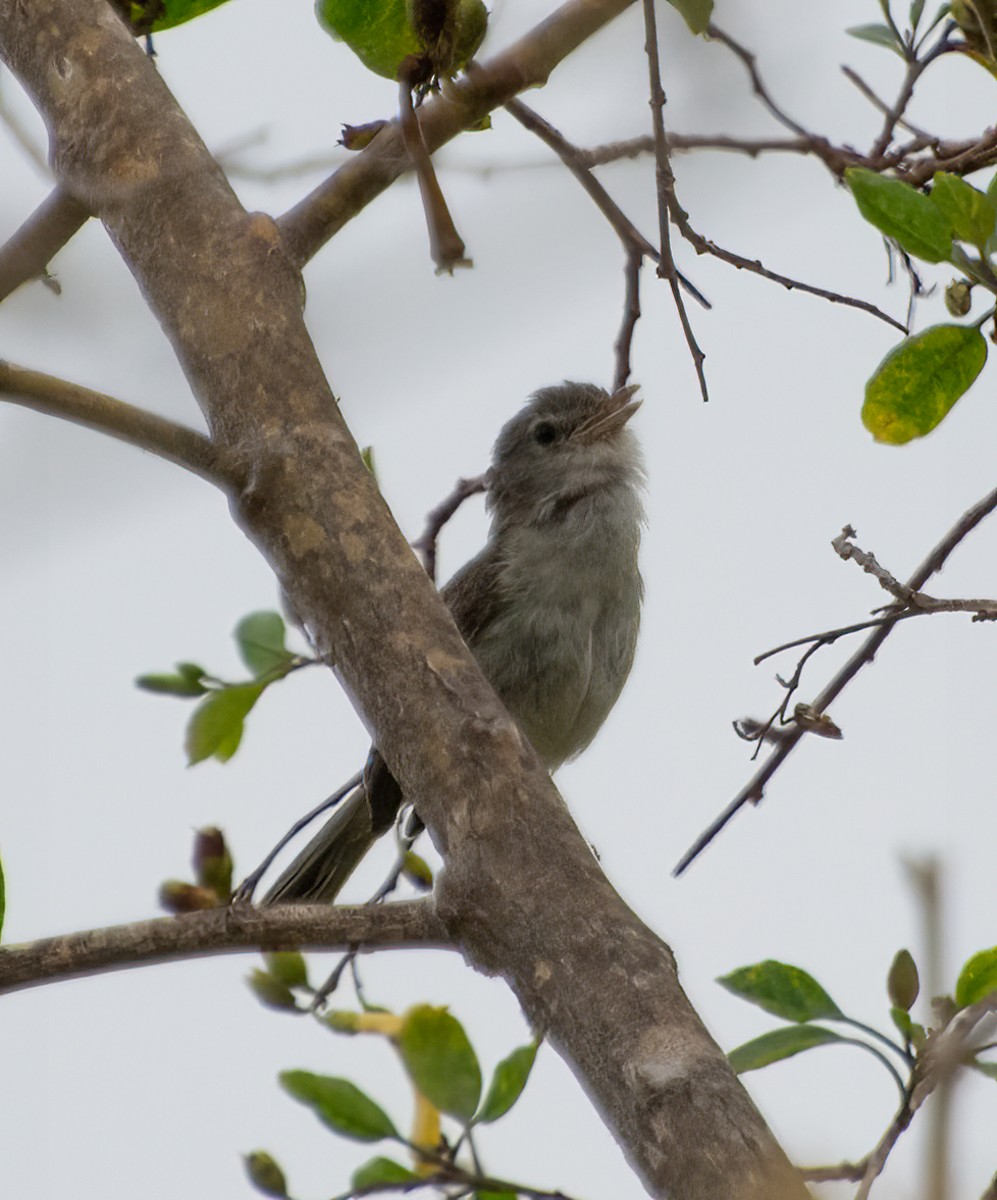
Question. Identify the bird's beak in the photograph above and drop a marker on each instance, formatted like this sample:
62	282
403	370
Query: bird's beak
611	417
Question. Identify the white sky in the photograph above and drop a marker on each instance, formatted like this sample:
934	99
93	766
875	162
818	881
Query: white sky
155	1081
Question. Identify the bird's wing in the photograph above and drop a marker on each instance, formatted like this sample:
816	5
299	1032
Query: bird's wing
474	594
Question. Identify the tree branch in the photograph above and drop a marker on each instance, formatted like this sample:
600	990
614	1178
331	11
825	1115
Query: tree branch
26	253
754	790
527	63
666	193
176	443
221	931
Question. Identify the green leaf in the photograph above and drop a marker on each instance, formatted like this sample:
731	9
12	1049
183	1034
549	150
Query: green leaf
918	382
265	1174
697	13
381	35
902	982
916	12
288	966
153	16
507	1083
879	35
978	978
215	728
260	638
902	213
783	990
271	991
440	1060
341	1105
971	214
986	1068
779	1044
494	1196
381	1171
901	1019
186	682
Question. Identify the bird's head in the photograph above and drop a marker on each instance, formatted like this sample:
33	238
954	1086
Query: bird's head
569	443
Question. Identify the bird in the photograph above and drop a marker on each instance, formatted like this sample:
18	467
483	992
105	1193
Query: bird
550	607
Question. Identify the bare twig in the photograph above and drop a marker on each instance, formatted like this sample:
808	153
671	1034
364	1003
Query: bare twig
27	253
572	157
445	244
703	245
666	191
631	315
915	69
176	443
425	544
219	931
757	84
909	598
846	1170
924	139
754	790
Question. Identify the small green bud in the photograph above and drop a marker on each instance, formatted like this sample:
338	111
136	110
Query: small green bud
902	983
179	897
265	1174
212	862
959	297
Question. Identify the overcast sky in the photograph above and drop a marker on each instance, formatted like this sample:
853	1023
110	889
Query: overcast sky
114	563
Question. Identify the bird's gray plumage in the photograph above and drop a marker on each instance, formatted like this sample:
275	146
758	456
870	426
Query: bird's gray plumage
550	607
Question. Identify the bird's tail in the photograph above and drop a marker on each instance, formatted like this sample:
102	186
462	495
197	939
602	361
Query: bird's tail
319	872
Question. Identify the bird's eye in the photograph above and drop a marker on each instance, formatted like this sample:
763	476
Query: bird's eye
545	433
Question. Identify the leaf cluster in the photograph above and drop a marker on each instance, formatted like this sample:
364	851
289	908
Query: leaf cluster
443	1071
915	386
216	726
791	993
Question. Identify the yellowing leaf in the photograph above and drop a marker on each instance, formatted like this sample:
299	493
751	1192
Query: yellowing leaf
918	382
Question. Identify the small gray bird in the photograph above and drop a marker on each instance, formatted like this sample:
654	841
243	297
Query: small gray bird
550	607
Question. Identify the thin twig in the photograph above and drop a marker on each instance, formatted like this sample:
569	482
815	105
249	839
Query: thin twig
909	598
757	84
915	69
445	244
176	443
219	931
754	790
703	245
425	544
852	1172
27	252
572	157
666	191
631	315
853	77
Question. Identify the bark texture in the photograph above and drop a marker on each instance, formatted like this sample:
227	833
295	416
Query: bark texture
521	893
